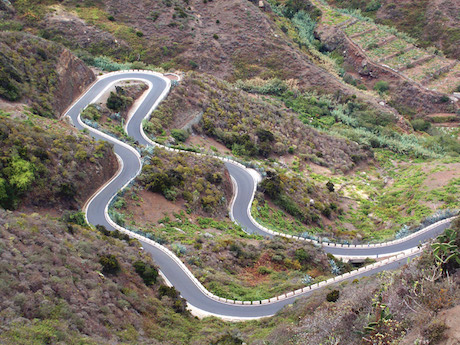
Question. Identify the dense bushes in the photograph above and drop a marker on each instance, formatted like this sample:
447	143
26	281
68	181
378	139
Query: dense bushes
381	86
178	303
117	100
299	197
180	135
110	264
45	167
199	181
239	121
333	296
147	272
28	70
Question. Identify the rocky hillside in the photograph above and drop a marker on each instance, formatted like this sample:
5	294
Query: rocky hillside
41	74
67	284
431	22
49	166
247	125
212	37
63	283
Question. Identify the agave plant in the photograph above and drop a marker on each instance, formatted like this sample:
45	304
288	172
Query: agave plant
445	249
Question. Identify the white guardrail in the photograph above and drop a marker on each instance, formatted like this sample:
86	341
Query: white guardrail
185	269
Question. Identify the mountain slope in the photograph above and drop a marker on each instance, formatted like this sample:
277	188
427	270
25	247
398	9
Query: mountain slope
431	22
39	73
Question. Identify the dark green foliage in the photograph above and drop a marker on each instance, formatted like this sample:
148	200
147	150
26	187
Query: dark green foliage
147	272
109	264
265	135
420	125
154	15
162	181
373	5
303	257
178	303
290	206
215	36
180	134
199	181
75	217
117	101
167	291
91	112
333	296
193	64
114	233
41	162
381	86
8	89
444	99
272	185
291	7
28	70
103	230
330	186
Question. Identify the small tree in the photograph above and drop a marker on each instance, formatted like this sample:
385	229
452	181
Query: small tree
330	186
109	264
381	86
180	134
148	273
333	296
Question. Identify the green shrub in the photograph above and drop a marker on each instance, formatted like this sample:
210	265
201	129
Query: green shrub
109	264
420	125
75	217
115	102
215	36
381	86
444	99
147	272
373	5
333	296
264	270
180	134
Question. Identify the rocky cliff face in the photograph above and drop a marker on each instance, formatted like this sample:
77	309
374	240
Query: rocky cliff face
73	78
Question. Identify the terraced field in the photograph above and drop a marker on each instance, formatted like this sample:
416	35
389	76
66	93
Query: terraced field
408	59
389	48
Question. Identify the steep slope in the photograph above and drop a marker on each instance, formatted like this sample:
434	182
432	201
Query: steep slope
50	166
63	283
247	125
41	74
431	22
233	40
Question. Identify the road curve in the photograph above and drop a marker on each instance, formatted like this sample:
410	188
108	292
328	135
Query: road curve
96	208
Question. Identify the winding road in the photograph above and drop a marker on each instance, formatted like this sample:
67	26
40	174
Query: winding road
175	272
